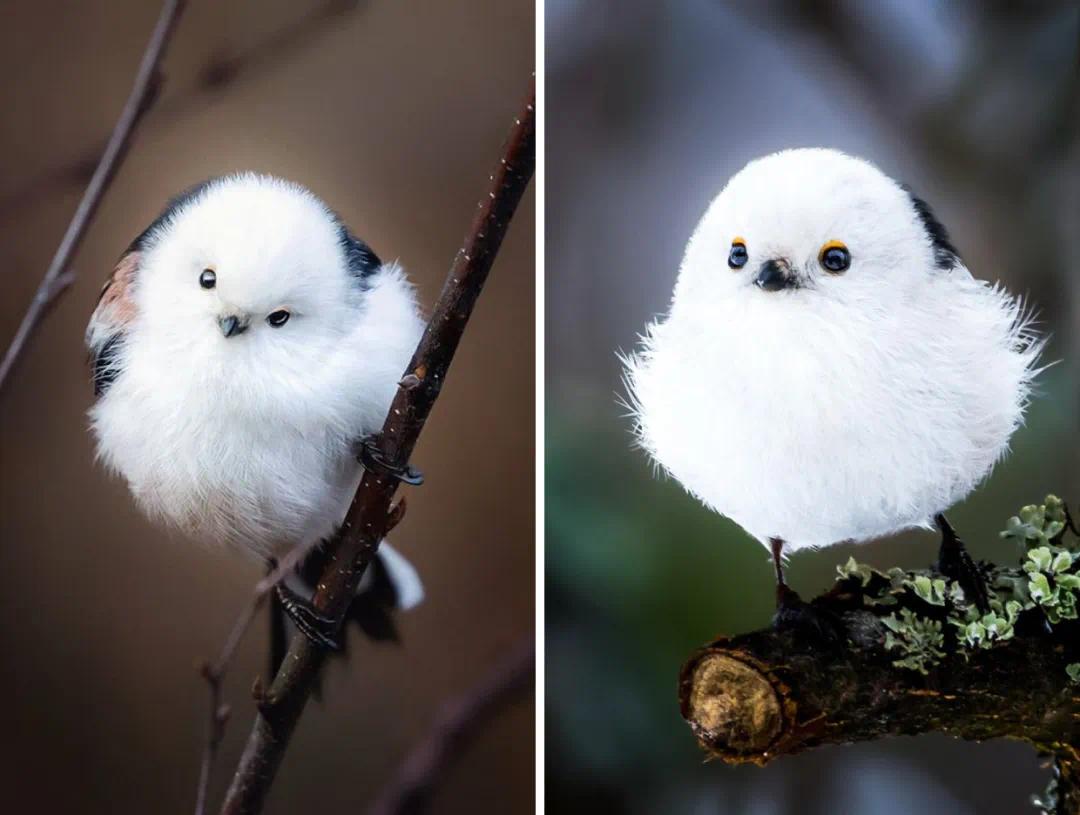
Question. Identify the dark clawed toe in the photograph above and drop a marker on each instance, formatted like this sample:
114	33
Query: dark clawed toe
792	613
955	563
369	454
317	627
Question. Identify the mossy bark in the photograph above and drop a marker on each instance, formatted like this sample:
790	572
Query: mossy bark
779	691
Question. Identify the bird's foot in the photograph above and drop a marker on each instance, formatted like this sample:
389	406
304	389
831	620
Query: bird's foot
956	564
793	613
321	630
369	454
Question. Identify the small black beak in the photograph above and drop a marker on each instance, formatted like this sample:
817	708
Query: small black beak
233	325
775	275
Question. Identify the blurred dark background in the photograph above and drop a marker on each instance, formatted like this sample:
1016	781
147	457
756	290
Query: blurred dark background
394	113
654	106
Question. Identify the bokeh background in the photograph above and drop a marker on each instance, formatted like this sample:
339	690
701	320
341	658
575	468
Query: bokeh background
654	105
394	112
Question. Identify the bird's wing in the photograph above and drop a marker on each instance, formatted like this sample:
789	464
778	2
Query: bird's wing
109	323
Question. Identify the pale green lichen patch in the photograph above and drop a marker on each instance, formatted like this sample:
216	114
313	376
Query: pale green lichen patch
1073	670
919	640
1038	524
925	607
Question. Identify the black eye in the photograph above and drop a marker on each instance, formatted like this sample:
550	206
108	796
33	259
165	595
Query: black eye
738	255
208	279
835	257
278	318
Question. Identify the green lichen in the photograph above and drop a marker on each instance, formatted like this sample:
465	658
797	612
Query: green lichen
1073	670
1038	524
919	640
930	590
983	631
858	571
1052	582
1049	580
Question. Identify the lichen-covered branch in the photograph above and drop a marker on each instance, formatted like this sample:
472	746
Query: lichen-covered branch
366	522
912	656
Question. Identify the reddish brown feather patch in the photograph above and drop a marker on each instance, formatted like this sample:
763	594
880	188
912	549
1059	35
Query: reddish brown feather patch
116	304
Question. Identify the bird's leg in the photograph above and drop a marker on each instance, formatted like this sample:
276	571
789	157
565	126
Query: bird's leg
785	595
320	629
956	564
369	454
792	612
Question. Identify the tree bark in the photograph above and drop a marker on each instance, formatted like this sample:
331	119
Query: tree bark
782	690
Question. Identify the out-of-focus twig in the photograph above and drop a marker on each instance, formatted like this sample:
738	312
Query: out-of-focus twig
218	73
58	277
458	722
365	524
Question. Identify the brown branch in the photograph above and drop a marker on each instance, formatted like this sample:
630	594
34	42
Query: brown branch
58	277
280	706
459	721
214	673
779	691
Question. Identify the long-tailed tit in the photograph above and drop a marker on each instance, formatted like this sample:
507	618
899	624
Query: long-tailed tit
829	369
244	346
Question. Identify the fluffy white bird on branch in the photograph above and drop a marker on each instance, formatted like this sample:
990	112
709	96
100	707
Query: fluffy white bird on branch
243	350
829	369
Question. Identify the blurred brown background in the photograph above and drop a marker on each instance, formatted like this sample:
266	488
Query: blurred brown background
394	113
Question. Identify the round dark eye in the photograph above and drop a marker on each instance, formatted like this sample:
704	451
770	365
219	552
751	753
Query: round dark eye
835	257
738	255
208	279
278	318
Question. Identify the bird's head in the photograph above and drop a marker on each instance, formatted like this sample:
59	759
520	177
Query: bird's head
252	268
810	225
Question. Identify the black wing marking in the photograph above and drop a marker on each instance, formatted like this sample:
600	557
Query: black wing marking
105	363
361	259
945	254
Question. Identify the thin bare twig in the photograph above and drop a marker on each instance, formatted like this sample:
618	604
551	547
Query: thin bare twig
58	277
218	73
370	515
458	722
219	717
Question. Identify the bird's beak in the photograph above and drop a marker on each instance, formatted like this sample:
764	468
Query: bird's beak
775	275
233	324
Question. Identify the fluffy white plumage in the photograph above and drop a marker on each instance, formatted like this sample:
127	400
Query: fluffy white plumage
249	439
851	405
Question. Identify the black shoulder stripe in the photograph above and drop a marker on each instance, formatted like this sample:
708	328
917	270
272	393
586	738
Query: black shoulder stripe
105	361
945	254
361	259
174	203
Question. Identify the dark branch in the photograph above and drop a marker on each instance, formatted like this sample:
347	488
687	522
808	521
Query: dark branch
352	550
58	277
459	721
905	665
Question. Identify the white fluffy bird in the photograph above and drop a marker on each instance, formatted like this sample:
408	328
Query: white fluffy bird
244	345
829	369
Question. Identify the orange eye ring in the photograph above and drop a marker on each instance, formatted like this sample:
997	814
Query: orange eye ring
737	255
834	257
